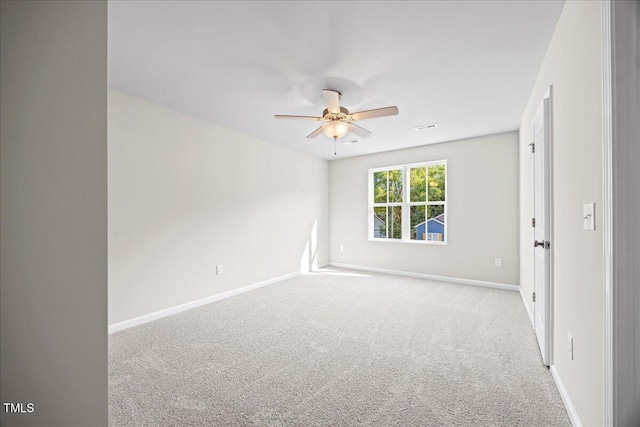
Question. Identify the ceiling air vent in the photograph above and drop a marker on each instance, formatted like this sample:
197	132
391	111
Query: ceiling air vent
424	127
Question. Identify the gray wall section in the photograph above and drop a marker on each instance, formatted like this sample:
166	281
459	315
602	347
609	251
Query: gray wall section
53	198
626	205
482	212
186	195
573	65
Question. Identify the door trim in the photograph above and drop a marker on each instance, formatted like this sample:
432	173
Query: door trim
549	94
607	208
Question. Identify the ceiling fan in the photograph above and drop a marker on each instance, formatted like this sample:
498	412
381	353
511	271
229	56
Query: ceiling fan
338	120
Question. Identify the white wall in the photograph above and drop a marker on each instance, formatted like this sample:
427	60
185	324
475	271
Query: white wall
482	211
53	220
573	65
186	194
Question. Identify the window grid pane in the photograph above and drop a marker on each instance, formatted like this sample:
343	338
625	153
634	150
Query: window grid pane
418	184
436	183
395	186
418	226
380	187
380	222
435	223
395	223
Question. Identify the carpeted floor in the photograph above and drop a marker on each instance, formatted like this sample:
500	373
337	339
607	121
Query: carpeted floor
337	348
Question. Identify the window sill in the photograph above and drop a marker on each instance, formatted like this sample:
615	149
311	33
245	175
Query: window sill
413	242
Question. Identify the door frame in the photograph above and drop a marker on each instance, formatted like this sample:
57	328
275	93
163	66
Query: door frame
607	208
549	300
621	182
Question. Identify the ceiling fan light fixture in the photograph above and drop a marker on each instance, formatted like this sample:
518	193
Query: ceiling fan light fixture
338	121
335	129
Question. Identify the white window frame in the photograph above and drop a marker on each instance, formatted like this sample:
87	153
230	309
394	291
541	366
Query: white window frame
406	204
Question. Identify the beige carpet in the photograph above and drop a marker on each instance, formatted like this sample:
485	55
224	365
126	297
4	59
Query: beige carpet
337	348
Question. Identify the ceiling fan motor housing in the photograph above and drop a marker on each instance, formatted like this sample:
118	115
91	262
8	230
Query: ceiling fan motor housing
343	114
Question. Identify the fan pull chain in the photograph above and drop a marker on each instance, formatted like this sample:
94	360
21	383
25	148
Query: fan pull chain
335	143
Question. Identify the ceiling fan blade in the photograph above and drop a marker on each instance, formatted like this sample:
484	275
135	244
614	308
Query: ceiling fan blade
280	116
378	112
358	130
332	99
315	133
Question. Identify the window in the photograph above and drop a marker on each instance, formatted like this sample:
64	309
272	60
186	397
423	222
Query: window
408	203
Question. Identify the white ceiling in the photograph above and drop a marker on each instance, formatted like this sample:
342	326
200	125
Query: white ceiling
468	66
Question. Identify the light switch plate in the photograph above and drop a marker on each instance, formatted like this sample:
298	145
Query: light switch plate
588	220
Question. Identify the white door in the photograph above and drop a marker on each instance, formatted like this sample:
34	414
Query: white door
541	226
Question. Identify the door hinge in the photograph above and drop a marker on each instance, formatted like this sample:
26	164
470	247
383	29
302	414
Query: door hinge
533	222
533	296
533	147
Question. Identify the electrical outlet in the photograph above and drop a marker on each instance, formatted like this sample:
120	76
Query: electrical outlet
219	269
341	248
570	342
497	262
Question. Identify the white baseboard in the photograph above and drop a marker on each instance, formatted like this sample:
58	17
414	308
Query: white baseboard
526	306
187	306
430	277
571	410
